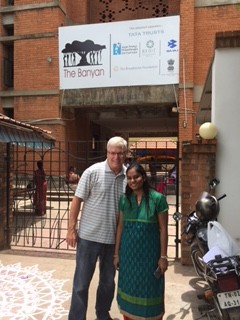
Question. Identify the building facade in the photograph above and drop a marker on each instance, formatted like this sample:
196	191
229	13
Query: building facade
29	87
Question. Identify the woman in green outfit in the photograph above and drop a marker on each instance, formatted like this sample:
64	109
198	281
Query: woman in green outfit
141	248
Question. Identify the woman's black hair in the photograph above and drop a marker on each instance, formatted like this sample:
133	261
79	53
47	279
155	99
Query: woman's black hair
40	164
146	185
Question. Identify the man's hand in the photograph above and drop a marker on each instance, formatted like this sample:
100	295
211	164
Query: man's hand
72	237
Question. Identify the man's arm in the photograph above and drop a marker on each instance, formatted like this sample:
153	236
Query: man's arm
72	236
118	240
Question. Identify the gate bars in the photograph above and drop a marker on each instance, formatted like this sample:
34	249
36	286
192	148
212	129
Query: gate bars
47	233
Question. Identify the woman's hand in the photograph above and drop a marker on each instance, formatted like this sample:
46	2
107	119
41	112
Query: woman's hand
163	264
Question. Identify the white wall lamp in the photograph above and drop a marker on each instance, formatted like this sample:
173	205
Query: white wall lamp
208	131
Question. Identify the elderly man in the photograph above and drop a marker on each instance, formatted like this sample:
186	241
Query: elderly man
99	189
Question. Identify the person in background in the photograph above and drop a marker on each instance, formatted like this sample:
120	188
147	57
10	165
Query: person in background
173	173
162	186
40	193
99	190
141	248
72	178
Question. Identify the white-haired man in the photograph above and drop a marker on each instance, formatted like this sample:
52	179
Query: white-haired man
99	189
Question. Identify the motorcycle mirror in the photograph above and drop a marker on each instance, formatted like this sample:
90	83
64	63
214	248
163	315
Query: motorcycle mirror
177	216
213	183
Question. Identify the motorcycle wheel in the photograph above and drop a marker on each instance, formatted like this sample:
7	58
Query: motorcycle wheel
226	314
221	314
198	265
233	314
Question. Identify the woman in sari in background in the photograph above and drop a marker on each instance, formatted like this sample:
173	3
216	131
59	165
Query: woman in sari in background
40	194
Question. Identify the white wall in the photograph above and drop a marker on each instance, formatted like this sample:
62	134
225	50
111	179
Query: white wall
226	116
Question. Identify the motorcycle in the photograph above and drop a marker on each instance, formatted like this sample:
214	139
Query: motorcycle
220	271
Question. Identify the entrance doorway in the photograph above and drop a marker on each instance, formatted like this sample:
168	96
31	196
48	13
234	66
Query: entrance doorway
47	232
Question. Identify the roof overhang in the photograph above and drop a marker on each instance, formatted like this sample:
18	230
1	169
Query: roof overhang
205	105
16	132
227	39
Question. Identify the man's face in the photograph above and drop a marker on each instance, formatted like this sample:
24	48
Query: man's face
116	157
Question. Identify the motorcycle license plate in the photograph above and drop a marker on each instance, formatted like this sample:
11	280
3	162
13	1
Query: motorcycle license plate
229	299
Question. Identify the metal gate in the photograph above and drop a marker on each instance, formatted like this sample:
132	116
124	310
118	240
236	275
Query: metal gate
47	232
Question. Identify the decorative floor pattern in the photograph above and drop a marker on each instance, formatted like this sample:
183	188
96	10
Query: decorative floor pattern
28	293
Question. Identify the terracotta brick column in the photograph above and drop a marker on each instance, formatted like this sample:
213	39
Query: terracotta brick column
6	197
198	168
2	196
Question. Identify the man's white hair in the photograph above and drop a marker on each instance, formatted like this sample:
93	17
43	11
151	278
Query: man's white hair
117	142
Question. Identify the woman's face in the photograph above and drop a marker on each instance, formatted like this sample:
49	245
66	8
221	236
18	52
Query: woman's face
134	179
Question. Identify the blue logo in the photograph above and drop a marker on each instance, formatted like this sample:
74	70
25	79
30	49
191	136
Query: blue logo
172	44
117	49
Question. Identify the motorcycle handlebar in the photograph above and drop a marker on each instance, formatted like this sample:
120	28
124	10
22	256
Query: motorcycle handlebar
177	216
190	222
221	197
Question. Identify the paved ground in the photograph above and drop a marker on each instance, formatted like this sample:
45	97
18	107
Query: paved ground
181	284
51	270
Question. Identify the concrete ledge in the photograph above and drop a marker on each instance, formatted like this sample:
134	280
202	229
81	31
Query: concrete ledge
214	3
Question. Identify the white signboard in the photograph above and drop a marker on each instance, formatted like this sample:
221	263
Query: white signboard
128	53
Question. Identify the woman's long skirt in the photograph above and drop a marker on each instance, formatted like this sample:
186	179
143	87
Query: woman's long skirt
140	294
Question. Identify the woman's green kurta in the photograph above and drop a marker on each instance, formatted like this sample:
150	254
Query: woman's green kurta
140	295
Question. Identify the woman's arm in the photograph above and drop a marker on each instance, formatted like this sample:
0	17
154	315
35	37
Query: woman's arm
163	229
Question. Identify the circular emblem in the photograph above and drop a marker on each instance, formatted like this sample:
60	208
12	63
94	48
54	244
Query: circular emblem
150	44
